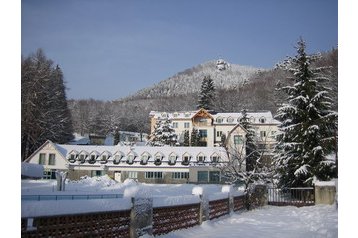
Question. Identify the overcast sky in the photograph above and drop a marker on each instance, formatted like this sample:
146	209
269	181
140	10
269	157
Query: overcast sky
110	49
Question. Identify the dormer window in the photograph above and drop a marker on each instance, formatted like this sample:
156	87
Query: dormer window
117	159
72	158
172	159
81	158
158	160
187	114
262	120
92	159
252	119
144	159
186	160
201	159
104	159
219	120
130	159
176	114
230	120
215	159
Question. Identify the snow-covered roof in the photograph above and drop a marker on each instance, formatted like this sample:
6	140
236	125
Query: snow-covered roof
173	115
235	116
165	151
32	170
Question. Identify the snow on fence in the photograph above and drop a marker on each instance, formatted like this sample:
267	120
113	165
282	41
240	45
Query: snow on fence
101	224
161	215
167	219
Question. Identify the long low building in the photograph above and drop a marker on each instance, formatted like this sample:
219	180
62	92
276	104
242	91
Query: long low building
143	163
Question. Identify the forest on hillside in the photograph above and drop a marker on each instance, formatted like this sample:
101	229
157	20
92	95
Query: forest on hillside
255	92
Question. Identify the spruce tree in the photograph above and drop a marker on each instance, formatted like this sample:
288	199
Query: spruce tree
194	137
252	154
163	134
309	126
207	94
186	138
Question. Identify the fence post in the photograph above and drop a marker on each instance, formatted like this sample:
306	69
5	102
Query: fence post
201	209
132	226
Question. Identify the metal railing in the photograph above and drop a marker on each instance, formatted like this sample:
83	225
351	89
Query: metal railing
291	196
69	197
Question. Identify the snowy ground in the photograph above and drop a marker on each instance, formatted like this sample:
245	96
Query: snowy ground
269	222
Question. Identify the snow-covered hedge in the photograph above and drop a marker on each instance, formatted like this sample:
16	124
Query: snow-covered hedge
32	170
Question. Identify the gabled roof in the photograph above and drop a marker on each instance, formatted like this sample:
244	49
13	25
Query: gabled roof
203	113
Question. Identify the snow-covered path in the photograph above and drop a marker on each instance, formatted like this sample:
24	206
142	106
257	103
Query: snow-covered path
269	221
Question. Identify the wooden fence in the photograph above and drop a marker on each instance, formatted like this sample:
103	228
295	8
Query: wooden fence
167	219
102	224
119	223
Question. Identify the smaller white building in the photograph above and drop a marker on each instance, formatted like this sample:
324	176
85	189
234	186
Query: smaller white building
143	163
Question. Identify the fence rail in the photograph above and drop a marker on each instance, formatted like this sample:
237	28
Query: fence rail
69	197
103	224
291	196
167	219
123	223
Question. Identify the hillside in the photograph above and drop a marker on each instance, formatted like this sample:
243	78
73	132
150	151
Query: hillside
237	87
224	75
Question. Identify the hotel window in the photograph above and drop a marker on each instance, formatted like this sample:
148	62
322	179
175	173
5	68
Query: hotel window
51	159
262	134
219	120
219	133
203	133
186	124
237	139
175	124
203	176
214	176
42	158
153	175
133	174
180	175
262	120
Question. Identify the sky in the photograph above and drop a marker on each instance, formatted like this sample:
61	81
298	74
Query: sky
110	49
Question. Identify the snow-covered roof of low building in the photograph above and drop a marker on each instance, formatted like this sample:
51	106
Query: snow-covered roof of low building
32	170
166	151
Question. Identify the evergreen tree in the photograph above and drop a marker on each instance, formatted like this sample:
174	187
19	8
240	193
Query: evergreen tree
186	138
223	139
309	126
207	94
116	136
44	110
163	134
194	137
252	154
